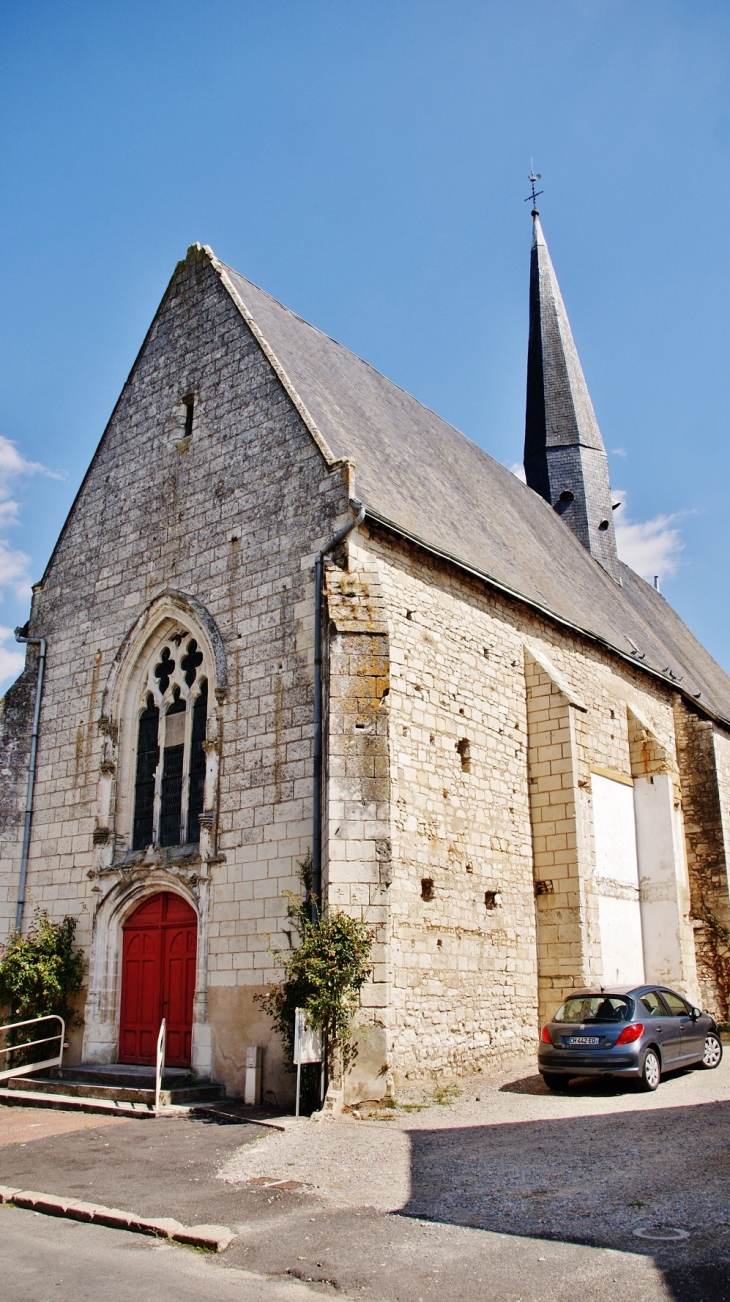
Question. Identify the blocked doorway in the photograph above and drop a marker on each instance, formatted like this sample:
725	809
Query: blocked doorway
617	880
158	980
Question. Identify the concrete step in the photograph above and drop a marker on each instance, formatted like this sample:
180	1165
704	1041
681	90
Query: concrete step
71	1102
123	1075
70	1086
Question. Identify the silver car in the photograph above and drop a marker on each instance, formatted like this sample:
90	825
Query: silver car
636	1031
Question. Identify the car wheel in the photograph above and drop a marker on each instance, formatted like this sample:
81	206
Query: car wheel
555	1081
651	1072
712	1056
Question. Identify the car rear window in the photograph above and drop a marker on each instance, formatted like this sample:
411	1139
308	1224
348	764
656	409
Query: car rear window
594	1008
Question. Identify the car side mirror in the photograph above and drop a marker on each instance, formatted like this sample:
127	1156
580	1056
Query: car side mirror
695	1014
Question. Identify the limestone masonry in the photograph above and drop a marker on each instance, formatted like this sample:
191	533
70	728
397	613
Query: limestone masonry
526	781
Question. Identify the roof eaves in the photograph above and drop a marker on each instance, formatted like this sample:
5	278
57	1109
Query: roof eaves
546	611
324	447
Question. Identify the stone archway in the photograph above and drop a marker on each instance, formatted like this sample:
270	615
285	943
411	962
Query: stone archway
104	1000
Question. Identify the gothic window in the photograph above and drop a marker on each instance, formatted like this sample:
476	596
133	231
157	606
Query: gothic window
170	764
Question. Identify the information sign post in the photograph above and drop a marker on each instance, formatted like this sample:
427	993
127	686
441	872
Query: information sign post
307	1046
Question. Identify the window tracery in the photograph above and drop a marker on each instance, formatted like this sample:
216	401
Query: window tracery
170	760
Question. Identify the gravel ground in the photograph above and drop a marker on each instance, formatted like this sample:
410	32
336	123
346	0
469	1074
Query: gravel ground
591	1166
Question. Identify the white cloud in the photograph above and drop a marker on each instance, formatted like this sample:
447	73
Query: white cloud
618	452
14	572
12	658
649	547
518	469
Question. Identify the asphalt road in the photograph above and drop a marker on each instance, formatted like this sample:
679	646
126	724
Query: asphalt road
45	1259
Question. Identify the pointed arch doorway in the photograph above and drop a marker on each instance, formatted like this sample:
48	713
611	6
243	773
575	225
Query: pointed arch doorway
158	980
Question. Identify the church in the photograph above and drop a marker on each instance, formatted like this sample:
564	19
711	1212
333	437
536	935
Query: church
293	612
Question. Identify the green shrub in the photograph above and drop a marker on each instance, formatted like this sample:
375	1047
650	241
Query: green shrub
41	971
323	974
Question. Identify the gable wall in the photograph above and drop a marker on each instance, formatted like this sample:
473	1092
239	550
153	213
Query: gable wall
157	515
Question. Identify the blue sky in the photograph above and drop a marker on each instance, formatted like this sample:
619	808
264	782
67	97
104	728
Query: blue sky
366	163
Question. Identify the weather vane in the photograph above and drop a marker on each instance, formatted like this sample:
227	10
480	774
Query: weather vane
532	178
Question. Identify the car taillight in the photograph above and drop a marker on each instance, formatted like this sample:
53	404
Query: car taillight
545	1036
631	1033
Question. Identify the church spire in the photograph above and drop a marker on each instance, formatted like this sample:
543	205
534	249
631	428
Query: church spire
565	460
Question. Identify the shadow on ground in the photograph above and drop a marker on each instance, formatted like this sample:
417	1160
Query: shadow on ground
587	1087
591	1180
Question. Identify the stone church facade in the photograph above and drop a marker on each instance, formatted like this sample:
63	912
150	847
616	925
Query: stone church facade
525	776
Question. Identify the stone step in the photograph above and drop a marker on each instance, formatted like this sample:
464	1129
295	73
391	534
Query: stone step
123	1075
70	1086
70	1102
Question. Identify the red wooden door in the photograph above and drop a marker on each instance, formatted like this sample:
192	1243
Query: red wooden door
158	980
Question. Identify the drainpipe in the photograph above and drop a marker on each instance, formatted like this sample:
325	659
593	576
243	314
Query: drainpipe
41	642
317	790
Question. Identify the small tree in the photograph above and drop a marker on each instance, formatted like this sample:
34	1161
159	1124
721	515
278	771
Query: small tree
323	974
41	972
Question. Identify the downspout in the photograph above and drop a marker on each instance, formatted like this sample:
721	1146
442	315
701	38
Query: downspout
41	642
316	889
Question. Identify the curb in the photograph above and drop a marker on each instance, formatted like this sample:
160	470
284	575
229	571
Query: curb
272	1123
212	1238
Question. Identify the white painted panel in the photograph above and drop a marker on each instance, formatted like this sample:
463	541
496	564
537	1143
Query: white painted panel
667	932
621	947
615	830
617	881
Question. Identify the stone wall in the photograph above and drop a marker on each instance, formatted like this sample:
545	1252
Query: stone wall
468	940
707	850
16	724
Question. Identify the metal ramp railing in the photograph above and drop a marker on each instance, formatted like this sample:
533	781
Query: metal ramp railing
160	1061
27	1068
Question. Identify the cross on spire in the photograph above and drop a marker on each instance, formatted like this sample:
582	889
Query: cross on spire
532	178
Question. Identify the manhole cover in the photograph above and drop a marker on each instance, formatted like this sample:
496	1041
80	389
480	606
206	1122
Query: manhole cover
661	1233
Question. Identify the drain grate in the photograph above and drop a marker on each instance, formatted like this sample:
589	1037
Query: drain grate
661	1233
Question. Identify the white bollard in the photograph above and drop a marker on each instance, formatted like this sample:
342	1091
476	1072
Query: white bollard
252	1087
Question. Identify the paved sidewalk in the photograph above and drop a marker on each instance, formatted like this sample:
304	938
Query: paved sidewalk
20	1125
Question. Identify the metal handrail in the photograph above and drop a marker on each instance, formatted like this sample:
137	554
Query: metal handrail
31	1067
160	1062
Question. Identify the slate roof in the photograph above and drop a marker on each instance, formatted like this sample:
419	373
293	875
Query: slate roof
417	473
565	460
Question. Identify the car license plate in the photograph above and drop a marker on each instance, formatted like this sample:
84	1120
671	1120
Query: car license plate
580	1041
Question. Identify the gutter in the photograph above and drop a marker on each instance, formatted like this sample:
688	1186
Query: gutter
41	642
631	659
316	886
